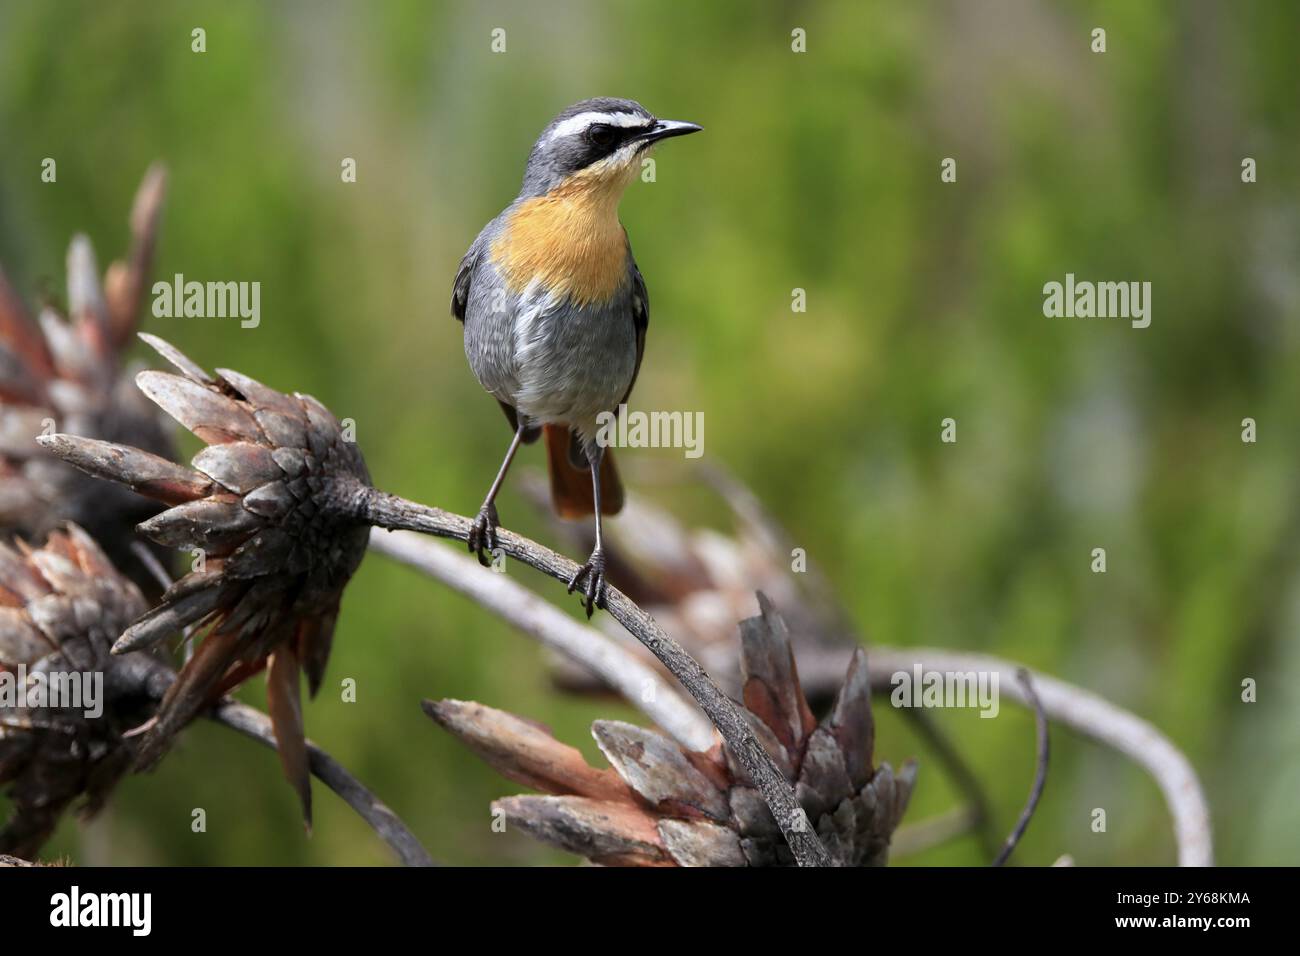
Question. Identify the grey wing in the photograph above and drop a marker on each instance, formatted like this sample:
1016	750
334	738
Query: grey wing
460	303
640	318
460	288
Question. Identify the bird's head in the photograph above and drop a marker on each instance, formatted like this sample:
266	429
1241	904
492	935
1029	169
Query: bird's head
596	143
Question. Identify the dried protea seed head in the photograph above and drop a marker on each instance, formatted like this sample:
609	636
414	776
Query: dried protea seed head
61	608
267	512
662	805
65	374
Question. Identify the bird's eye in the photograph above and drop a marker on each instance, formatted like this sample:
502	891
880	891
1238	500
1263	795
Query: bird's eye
601	135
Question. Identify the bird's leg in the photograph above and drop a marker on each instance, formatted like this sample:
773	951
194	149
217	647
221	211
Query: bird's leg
483	532
594	570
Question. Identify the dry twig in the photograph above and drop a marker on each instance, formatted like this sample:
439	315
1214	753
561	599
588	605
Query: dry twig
389	511
1040	774
1093	716
387	825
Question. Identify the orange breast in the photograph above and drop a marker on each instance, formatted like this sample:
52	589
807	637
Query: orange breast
570	239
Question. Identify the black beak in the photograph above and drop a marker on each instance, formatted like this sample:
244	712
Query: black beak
663	129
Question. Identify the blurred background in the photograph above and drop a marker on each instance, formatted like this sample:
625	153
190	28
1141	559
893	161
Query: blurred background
818	171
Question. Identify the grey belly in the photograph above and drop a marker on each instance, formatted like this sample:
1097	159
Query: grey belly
555	362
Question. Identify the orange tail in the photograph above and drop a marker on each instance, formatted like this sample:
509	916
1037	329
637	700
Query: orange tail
571	491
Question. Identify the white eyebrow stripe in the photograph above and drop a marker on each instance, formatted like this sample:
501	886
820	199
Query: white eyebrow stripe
575	124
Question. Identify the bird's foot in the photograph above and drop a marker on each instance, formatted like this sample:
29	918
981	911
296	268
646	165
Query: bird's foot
483	534
593	572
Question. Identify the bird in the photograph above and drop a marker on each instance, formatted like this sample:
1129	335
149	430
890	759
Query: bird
555	311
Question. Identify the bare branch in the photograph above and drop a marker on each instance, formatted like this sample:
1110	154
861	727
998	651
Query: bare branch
149	561
1040	775
638	684
389	511
1091	715
253	723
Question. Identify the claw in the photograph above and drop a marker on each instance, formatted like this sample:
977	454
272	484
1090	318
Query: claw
594	574
483	534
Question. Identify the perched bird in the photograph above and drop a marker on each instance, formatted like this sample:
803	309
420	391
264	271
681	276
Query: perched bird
555	310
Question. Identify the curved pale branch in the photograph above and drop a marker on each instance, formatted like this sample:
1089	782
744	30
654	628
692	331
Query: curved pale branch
621	670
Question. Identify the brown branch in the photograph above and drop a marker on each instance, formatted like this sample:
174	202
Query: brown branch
1040	775
388	511
638	684
254	724
1089	714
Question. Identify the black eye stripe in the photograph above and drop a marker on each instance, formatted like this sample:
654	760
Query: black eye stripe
602	134
605	138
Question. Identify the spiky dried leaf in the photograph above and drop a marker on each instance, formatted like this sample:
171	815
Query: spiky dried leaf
523	751
615	834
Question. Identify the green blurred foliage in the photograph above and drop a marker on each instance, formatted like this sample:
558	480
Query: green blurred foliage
817	171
